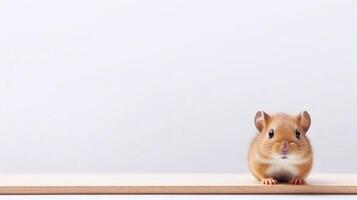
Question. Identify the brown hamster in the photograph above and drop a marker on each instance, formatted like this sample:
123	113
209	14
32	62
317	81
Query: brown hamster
281	151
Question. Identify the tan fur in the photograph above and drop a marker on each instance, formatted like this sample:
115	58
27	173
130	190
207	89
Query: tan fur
264	152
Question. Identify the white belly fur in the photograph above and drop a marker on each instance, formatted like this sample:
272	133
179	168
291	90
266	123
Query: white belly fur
282	169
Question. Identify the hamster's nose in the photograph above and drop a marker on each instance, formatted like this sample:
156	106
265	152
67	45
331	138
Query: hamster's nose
284	147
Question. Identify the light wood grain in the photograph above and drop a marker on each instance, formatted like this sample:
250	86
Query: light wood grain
196	183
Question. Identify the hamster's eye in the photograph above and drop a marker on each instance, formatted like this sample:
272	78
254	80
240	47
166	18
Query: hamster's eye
271	133
297	134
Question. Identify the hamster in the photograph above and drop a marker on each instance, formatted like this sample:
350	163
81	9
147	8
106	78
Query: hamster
281	151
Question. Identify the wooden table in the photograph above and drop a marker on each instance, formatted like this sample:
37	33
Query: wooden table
166	183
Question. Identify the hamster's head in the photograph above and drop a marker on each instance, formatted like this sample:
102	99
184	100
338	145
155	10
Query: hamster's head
283	136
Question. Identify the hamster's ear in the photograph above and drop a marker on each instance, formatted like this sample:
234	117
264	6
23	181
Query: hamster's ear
304	121
261	120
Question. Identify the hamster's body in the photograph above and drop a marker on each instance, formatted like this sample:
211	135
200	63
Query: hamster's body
281	152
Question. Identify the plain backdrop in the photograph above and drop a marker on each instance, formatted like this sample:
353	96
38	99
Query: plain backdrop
171	86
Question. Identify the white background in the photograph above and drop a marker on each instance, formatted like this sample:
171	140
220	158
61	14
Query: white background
171	86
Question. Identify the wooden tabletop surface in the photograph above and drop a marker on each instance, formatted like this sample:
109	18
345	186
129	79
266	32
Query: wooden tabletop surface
169	183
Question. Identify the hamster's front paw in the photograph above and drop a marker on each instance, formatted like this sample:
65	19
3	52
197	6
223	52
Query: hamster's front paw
269	181
297	181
